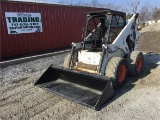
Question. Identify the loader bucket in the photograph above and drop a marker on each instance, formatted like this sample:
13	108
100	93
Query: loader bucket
88	89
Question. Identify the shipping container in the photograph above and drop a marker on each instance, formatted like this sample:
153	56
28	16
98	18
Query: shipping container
60	26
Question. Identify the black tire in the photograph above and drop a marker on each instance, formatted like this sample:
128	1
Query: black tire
68	58
135	63
117	69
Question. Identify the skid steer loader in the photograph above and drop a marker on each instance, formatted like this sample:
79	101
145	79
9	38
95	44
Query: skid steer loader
99	64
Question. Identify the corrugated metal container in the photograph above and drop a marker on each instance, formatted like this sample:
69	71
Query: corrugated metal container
61	25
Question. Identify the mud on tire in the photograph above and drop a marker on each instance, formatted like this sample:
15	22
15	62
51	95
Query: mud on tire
135	63
117	69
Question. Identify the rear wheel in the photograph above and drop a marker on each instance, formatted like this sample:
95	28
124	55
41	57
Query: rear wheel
117	69
135	60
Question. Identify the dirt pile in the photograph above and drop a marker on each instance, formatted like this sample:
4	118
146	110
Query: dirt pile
150	38
150	42
151	28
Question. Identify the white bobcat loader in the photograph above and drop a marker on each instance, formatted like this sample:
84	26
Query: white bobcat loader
99	64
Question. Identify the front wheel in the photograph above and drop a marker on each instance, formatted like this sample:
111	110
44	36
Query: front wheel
117	69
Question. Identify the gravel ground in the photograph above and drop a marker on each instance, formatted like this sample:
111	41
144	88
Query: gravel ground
139	98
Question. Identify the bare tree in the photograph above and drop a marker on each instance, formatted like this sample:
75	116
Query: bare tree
133	6
62	1
156	13
95	3
86	5
111	6
129	16
144	13
80	3
68	2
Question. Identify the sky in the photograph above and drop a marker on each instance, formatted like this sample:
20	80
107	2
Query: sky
119	2
125	3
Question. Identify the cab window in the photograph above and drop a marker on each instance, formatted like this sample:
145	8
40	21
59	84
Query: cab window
121	22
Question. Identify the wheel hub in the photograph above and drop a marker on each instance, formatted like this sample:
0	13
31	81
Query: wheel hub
139	64
122	73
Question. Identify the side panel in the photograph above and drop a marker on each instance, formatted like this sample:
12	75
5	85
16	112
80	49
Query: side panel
92	58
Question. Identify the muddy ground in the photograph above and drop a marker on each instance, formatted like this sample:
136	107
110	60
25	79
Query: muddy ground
139	98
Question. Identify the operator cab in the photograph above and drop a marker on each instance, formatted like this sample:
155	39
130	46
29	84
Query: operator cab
102	27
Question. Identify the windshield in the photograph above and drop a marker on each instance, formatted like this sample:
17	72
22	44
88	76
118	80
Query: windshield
96	27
